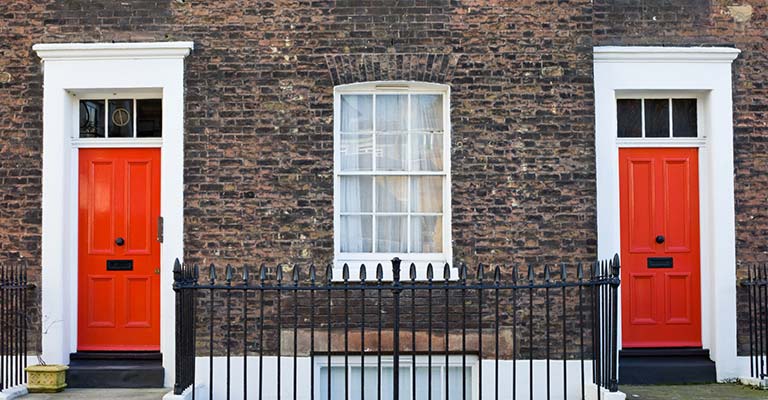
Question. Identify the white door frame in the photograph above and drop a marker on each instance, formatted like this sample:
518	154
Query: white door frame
705	72
72	70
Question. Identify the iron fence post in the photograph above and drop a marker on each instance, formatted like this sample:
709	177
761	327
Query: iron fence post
396	329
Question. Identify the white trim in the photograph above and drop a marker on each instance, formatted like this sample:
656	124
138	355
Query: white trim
82	69
707	71
640	54
112	51
661	142
371	259
304	365
117	142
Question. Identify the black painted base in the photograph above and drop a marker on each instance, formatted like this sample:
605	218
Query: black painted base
665	366
115	370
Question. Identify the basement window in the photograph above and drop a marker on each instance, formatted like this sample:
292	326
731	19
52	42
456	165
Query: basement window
369	375
121	118
657	118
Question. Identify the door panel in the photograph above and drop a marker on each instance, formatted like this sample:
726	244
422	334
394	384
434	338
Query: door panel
641	205
661	302
119	201
138	216
101	215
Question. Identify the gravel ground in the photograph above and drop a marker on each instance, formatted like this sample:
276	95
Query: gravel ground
693	392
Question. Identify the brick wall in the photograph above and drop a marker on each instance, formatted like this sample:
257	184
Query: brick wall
258	166
741	24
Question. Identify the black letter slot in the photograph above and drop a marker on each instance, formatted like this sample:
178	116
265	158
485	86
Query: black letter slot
119	265
659	262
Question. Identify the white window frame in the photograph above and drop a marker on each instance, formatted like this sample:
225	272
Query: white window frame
406	361
421	260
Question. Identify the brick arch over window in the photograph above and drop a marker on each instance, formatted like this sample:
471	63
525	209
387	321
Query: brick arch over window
363	67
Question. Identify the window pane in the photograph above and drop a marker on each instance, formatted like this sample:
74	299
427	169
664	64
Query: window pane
391	234
92	118
387	380
684	118
356	194
390	152
337	383
149	118
427	112
356	113
656	117
391	112
356	152
455	382
630	116
371	382
120	118
356	233
426	234
426	152
427	194
391	192
422	380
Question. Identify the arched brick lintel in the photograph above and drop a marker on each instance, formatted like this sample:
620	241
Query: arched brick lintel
363	67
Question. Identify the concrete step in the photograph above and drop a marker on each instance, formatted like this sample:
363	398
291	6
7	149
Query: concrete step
116	370
666	366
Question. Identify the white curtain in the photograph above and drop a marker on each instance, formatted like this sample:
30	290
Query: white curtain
357	154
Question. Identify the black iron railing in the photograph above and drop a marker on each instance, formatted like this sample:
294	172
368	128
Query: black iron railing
756	286
14	290
541	332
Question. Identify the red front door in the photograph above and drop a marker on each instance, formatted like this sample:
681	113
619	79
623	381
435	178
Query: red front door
119	255
660	277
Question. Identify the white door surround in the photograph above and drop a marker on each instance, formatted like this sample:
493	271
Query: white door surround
73	70
704	73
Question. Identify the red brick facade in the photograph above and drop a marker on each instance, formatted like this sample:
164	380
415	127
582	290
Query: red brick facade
259	106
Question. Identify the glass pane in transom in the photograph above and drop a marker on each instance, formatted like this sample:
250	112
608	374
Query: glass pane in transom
92	115
120	122
684	118
149	118
630	118
657	118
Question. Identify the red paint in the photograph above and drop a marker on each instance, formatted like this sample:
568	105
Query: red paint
661	307
119	196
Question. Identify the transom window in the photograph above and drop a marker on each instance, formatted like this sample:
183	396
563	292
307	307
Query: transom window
657	118
121	118
391	172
